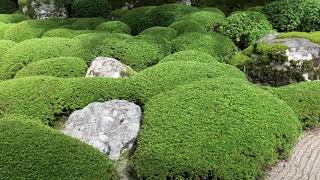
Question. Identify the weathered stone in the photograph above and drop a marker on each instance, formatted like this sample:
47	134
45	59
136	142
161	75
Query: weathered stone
108	67
112	127
44	9
281	61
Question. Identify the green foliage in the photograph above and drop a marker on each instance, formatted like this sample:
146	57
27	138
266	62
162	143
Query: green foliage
187	26
166	76
117	14
65	33
3	29
12	18
84	23
246	28
7	7
313	36
304	99
193	130
90	8
209	19
212	9
190	55
114	27
214	44
64	67
160	32
5	45
31	150
294	15
136	19
165	15
239	60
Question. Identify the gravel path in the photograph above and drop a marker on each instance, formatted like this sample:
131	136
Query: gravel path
304	163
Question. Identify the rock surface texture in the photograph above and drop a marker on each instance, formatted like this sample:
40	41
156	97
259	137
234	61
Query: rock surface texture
112	127
44	9
281	61
304	163
108	67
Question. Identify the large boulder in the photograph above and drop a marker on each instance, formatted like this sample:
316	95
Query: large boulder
108	67
44	9
280	61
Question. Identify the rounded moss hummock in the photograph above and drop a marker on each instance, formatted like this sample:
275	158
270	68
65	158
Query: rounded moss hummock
90	8
187	26
213	43
65	33
190	55
64	67
166	76
246	28
193	130
3	29
31	150
84	23
12	18
160	32
210	20
114	27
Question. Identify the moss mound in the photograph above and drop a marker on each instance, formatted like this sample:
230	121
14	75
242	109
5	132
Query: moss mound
187	26
210	20
90	8
304	99
166	76
84	23
3	29
160	32
12	18
165	15
213	43
31	150
190	55
312	36
246	28
64	67
114	27
65	33
136	19
192	131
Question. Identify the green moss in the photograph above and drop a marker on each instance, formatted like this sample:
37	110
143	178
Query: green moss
166	76
190	55
65	33
187	26
160	32
239	60
210	20
313	36
246	28
117	14
84	23
31	150
212	9
114	27
12	18
304	99
64	67
5	45
3	29
136	19
215	44
7	7
193	130
90	8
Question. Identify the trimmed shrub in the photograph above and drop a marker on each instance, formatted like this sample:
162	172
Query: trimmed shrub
64	67
294	15
7	7
304	99
117	14
5	45
214	44
31	29
246	28
187	26
84	23
166	76
114	27
190	55
193	130
31	150
90	8
65	33
3	29
160	32
212	9
12	18
136	19
210	20
166	14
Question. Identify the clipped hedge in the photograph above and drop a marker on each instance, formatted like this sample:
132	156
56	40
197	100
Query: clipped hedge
210	20
246	28
166	76
193	130
90	8
190	55
304	99
31	150
114	27
64	67
136	19
12	18
65	33
160	32
187	26
166	14
212	43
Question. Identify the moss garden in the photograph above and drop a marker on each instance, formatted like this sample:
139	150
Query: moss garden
204	116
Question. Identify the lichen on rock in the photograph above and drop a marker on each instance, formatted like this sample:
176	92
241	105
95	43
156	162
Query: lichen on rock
43	9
